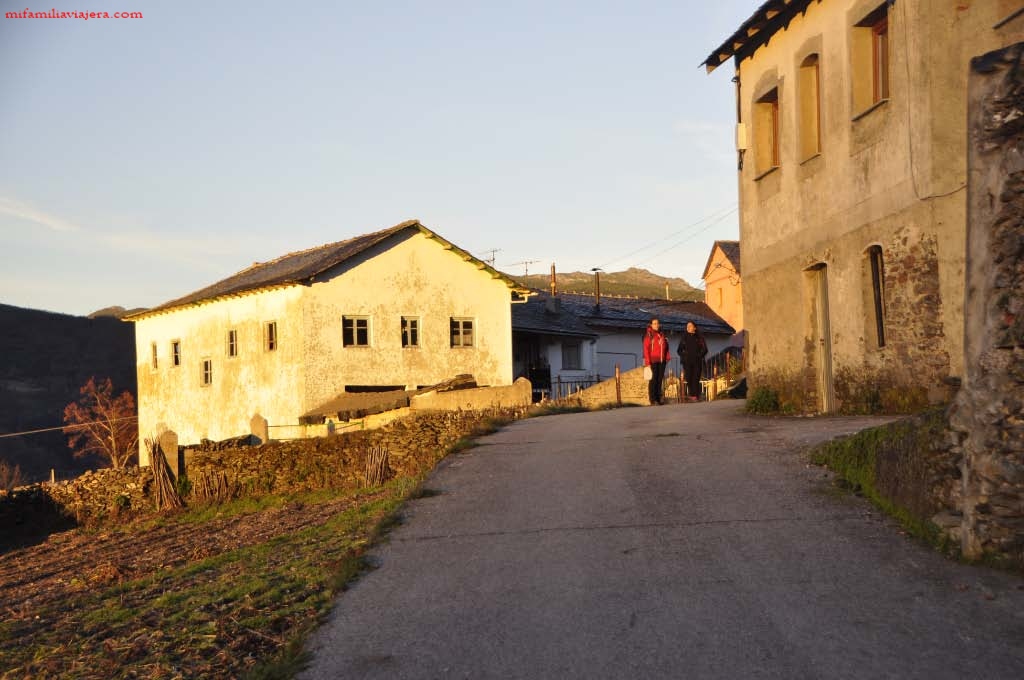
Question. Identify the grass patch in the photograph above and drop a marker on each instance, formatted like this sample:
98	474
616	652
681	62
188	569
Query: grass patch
554	409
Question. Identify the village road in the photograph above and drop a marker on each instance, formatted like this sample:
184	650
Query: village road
683	541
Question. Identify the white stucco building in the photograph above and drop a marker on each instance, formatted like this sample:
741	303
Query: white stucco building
398	308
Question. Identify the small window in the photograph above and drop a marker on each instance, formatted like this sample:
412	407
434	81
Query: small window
410	331
207	372
810	108
462	332
870	53
270	336
153	354
878	292
176	352
355	331
232	343
572	356
766	131
721	295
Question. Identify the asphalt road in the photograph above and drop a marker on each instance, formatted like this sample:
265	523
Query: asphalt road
684	541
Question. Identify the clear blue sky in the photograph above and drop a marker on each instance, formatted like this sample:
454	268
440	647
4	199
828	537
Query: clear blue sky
143	159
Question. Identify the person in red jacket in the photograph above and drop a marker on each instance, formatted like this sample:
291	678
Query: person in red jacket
656	355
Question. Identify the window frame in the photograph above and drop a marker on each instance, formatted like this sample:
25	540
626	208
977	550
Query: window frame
876	262
355	319
206	372
176	353
768	149
154	361
809	82
577	346
410	331
271	337
457	327
880	59
232	347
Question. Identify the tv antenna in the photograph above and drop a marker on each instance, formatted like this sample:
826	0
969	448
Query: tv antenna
526	266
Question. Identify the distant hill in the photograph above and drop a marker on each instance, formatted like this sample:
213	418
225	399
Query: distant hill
115	312
633	282
44	359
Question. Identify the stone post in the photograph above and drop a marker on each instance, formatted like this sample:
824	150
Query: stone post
260	429
168	443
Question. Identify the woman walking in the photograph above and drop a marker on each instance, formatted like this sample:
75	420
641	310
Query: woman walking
692	350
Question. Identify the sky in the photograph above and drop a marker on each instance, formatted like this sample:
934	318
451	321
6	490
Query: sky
142	159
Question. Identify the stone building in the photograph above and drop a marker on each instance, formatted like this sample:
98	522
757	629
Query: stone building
398	308
723	285
851	144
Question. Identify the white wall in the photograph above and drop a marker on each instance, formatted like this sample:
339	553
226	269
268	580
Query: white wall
415	277
255	381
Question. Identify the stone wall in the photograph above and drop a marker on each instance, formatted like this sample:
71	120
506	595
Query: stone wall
217	471
988	413
519	394
633	390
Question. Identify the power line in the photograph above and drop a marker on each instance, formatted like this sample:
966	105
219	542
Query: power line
66	427
714	215
682	241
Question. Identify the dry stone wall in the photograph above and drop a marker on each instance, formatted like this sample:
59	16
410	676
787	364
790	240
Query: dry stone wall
217	471
989	411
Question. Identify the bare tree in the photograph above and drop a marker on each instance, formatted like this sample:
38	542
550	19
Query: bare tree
10	477
101	423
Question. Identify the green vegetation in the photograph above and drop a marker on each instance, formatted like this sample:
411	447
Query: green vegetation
763	400
894	467
633	282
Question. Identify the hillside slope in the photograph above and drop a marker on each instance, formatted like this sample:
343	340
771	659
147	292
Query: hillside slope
44	360
633	282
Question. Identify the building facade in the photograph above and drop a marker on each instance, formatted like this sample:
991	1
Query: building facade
723	286
399	308
851	142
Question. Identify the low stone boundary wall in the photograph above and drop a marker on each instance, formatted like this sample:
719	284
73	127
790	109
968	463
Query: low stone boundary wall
217	471
519	394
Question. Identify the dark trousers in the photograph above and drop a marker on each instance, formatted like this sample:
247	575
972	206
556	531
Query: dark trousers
656	381
692	372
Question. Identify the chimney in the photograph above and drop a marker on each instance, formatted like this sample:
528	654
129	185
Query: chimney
597	287
554	284
666	291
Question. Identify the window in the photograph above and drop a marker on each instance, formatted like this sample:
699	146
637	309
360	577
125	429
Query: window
462	332
176	352
153	354
571	356
878	291
880	59
410	331
355	331
870	51
810	107
207	372
232	343
766	132
721	295
270	336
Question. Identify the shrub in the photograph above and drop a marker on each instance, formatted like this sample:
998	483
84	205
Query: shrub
763	400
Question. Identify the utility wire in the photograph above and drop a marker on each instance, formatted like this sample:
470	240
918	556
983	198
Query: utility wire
66	427
690	236
716	214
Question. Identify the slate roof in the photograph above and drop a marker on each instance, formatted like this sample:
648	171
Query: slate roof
771	17
304	266
636	313
731	250
536	316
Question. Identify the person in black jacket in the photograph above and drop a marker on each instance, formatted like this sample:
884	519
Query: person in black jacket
692	350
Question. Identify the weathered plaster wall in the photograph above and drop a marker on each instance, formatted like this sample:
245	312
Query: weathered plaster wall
256	381
415	277
891	176
723	290
989	411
